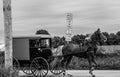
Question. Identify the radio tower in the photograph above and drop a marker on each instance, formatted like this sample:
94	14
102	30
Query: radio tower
69	22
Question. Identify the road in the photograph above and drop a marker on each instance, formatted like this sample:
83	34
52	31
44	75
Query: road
84	73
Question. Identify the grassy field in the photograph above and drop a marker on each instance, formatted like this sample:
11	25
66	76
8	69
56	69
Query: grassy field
105	61
108	61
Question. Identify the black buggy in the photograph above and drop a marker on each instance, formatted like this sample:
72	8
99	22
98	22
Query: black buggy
33	55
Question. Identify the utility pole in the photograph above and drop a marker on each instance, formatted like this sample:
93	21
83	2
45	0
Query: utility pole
69	21
8	34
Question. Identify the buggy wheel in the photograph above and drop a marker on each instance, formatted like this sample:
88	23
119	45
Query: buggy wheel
56	66
16	65
39	67
27	70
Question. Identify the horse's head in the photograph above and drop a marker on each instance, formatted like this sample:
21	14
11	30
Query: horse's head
97	37
103	37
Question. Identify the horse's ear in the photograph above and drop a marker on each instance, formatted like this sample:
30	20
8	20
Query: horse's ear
98	30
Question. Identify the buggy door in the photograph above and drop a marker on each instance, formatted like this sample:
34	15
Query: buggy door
36	47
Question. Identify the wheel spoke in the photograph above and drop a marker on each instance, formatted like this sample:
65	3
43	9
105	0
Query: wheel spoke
36	63
16	64
56	69
27	70
36	72
41	73
39	67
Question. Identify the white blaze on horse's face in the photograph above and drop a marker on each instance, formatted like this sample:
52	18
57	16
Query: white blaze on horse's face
103	37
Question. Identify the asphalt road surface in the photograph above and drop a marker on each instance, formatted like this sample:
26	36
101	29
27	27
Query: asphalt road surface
84	73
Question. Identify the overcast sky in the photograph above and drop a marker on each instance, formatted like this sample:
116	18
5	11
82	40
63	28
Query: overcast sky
88	15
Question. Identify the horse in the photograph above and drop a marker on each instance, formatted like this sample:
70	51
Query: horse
87	51
71	50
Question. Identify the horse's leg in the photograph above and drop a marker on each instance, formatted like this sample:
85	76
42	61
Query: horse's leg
91	68
67	64
93	60
63	62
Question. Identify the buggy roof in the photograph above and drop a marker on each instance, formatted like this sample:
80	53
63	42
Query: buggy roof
31	36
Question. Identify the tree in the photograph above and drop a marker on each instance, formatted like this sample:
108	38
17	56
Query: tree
118	37
41	31
78	38
118	33
62	41
57	41
112	39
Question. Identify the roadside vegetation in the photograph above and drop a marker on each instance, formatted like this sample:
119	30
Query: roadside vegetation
108	61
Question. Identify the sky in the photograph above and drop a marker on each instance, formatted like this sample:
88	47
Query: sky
28	16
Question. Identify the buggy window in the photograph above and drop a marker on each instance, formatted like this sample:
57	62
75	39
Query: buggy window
45	43
39	43
34	43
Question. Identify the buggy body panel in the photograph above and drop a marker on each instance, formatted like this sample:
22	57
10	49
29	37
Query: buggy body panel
21	49
29	47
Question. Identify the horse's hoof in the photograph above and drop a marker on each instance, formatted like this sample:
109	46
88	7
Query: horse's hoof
64	74
90	72
70	75
93	76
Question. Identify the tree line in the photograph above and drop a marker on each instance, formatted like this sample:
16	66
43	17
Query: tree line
112	38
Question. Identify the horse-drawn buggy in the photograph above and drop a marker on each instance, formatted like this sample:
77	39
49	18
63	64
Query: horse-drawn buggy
33	55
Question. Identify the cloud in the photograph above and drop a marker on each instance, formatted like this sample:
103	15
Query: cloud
31	15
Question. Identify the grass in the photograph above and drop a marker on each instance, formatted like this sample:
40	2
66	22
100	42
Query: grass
6	72
105	61
108	61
